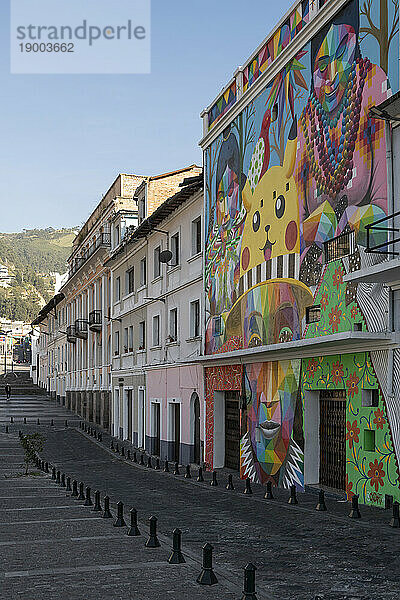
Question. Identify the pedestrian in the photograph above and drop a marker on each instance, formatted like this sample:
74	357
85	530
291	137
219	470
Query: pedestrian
8	390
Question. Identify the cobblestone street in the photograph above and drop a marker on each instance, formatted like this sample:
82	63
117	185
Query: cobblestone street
54	546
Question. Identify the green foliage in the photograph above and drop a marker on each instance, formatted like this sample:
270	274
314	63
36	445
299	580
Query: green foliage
32	443
31	256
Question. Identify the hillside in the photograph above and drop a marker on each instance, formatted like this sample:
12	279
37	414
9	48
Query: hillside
32	257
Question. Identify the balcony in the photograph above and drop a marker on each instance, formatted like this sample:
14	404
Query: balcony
71	336
102	241
81	329
95	320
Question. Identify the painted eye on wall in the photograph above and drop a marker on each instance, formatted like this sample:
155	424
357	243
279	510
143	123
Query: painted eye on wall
256	221
280	206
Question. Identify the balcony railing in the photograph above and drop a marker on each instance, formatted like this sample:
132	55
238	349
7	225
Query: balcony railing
95	320
102	241
386	236
342	245
81	329
71	335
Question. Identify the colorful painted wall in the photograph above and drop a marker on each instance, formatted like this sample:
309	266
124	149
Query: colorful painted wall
303	163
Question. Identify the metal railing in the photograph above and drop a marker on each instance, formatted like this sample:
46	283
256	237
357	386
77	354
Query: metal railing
103	240
95	320
376	249
342	245
71	336
81	329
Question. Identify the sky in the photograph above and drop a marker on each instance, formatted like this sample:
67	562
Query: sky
64	138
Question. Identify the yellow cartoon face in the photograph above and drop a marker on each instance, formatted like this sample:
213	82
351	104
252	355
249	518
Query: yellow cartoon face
272	222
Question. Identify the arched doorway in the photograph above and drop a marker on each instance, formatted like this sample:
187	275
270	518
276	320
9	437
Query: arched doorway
195	403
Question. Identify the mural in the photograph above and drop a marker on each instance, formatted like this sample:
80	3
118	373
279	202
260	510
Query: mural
303	163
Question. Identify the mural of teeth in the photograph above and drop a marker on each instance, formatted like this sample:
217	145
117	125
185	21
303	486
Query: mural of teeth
269	429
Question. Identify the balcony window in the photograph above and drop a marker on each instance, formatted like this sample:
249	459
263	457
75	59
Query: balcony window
142	335
116	343
129	281
175	250
196	236
130	339
117	291
195	319
143	272
156	330
313	313
173	325
126	340
157	264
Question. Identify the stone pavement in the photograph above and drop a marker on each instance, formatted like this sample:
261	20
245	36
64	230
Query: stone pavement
299	553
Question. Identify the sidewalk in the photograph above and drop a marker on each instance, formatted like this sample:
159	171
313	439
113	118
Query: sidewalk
299	553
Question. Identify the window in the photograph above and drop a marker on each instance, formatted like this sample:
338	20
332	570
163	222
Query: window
141	209
173	325
369	397
142	335
117	235
157	264
342	245
156	330
195	319
196	236
175	250
313	313
116	343
217	326
125	340
129	281
117	294
143	273
130	339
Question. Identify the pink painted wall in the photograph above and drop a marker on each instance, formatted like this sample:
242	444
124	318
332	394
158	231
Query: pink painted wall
178	383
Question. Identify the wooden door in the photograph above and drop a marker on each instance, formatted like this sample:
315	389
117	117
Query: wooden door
333	439
129	400
177	431
196	441
232	430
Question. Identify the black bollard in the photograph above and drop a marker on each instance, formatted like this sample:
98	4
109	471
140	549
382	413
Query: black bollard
395	520
6	428
38	421
88	499
176	469
355	511
247	488
112	445
229	485
58	478
66	423
128	455
166	465
107	513
53	473
11	419
81	492
249	586
200	477
176	557
214	481
68	487
74	489
268	494
134	457
120	521
19	434
133	530
293	496
321	501
152	541
157	465
63	484
207	575
149	463
141	460
117	448
188	474
52	422
24	420
122	451
97	504
46	467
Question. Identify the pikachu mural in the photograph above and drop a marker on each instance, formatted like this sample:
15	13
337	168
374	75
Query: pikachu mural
302	163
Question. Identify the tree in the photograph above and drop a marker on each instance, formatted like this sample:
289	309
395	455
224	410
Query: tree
381	32
32	443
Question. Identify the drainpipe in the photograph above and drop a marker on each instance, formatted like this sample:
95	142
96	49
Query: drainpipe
391	202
